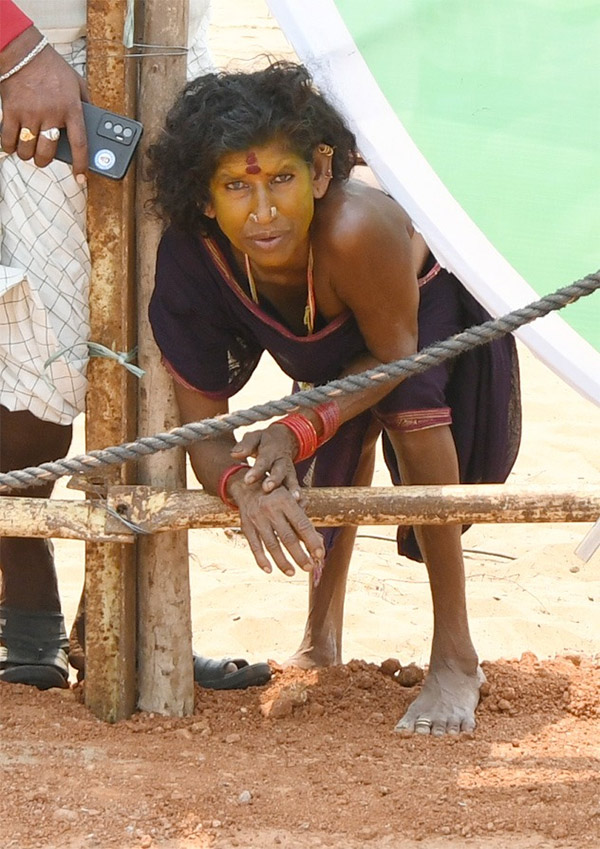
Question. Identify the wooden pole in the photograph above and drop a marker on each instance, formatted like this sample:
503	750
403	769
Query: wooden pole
156	511
23	517
159	512
110	419
165	671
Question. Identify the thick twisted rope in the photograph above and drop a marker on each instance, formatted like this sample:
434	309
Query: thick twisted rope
433	355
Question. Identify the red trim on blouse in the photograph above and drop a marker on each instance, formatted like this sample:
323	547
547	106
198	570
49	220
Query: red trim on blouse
409	420
213	396
227	275
430	275
13	22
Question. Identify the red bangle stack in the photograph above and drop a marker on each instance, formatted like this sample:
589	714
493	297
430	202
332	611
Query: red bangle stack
329	414
223	481
305	433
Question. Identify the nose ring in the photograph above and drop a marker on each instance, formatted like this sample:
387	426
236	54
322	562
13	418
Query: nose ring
254	216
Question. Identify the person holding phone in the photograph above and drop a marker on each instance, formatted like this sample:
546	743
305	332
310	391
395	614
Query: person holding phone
44	280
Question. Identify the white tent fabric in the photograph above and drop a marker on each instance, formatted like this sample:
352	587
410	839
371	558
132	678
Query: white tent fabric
321	39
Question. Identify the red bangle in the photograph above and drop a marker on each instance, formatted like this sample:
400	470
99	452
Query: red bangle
305	433
329	415
223	481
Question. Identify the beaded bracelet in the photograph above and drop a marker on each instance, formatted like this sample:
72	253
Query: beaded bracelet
329	414
305	433
26	59
223	481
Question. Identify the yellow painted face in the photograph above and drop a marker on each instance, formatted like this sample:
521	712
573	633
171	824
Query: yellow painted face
263	201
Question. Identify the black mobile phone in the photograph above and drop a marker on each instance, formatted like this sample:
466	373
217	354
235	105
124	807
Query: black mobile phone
112	140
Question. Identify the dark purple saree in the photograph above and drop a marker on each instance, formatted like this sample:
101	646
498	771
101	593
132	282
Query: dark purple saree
212	335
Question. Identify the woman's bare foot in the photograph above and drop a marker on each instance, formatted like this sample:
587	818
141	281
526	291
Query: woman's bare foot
446	704
312	657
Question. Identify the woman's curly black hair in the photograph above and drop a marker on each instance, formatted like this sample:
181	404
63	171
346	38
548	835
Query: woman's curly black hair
227	112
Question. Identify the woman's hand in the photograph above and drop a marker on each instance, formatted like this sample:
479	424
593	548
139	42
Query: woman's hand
275	523
273	449
271	504
271	518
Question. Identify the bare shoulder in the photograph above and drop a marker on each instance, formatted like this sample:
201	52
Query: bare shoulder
359	232
366	261
356	217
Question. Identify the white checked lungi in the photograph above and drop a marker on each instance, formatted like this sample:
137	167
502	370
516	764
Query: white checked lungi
45	273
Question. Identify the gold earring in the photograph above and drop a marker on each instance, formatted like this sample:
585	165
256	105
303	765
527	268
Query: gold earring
325	149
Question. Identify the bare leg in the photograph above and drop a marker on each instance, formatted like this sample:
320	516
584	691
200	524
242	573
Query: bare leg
322	641
450	693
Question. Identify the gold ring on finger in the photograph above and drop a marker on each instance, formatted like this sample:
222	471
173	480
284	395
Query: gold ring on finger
26	135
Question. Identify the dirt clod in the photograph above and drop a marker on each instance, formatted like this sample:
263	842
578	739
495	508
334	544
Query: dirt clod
409	676
391	666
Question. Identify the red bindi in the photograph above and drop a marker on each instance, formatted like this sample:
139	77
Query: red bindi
252	163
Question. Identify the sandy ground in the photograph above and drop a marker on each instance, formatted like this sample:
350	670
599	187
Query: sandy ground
328	771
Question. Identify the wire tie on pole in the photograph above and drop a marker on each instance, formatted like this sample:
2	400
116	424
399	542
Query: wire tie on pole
128	524
96	349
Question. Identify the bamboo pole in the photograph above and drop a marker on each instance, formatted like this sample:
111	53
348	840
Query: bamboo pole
165	673
110	419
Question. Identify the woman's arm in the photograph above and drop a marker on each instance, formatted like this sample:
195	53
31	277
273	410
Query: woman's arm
374	276
209	457
370	264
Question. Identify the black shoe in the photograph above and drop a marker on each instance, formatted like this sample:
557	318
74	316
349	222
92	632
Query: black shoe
33	648
42	676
